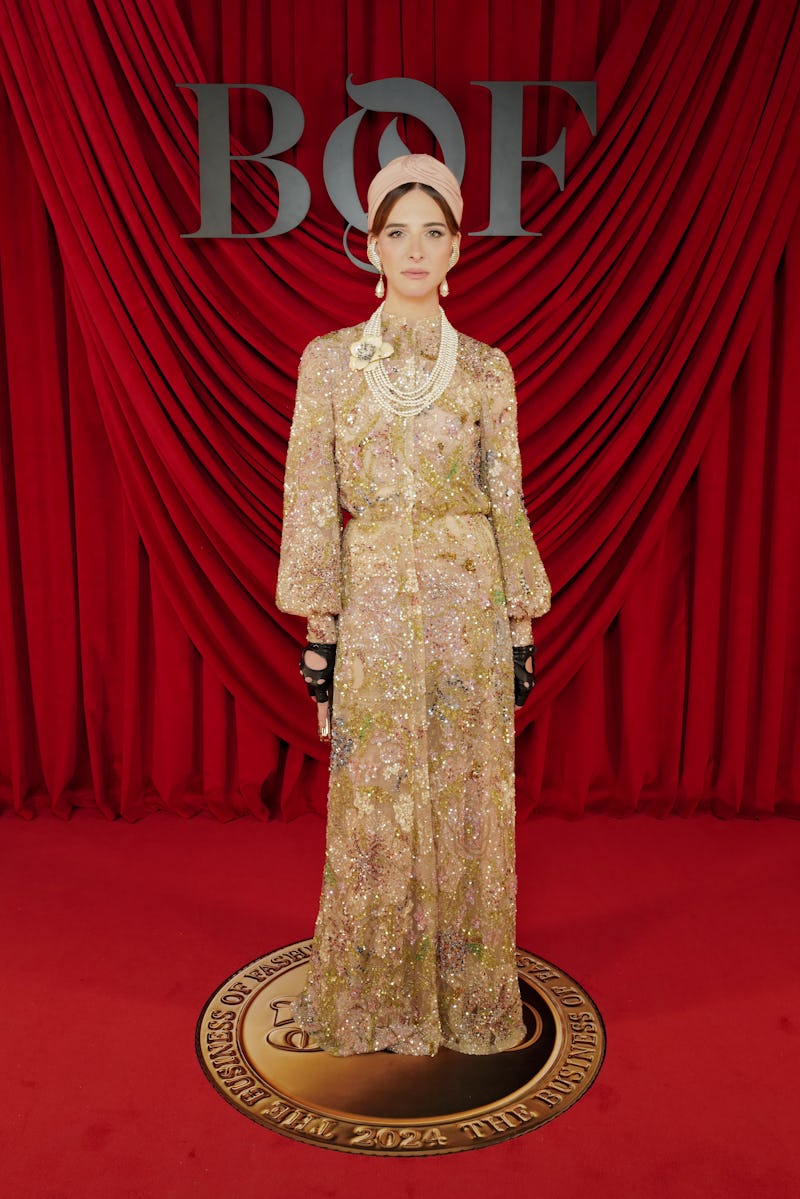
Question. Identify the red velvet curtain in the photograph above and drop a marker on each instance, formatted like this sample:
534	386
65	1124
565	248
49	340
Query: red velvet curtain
148	392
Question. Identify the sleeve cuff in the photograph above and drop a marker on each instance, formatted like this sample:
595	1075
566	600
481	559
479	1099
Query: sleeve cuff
521	630
322	627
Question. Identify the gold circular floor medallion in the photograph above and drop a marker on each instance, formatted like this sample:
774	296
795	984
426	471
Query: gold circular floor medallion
387	1103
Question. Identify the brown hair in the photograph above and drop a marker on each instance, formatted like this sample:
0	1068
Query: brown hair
390	199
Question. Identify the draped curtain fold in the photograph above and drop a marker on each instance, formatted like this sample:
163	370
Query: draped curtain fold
148	391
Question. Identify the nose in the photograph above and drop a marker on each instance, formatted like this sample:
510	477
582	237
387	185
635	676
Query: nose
415	249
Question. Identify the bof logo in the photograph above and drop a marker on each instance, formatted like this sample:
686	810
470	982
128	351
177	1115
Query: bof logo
399	96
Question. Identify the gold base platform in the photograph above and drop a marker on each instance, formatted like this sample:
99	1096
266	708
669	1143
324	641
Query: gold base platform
387	1103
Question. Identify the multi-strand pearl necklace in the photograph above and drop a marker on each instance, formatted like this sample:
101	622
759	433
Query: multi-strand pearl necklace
397	401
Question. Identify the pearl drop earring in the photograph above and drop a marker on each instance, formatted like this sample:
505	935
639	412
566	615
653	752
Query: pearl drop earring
444	286
375	259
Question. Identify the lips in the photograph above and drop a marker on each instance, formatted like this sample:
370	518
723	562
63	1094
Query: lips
415	274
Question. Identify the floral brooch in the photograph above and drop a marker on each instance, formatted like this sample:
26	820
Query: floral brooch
367	351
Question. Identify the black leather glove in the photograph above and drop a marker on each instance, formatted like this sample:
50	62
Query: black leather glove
523	678
319	679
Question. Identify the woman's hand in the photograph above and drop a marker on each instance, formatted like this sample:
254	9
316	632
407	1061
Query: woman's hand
524	672
317	662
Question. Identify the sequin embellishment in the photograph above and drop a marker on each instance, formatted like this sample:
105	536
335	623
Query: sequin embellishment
431	579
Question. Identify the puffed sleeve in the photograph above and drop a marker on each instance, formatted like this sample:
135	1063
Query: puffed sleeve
309	572
527	587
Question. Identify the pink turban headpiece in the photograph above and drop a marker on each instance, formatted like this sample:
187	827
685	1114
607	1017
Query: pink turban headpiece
415	168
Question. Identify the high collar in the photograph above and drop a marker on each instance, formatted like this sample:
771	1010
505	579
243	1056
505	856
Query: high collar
393	320
419	335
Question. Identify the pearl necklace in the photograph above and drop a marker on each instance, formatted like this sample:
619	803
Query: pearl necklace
396	401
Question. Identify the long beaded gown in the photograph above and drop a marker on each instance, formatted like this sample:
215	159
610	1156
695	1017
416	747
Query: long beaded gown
432	577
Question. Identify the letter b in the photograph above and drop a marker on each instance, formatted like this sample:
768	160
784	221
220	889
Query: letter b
213	137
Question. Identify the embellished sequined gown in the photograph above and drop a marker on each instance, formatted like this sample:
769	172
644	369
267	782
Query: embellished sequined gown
434	573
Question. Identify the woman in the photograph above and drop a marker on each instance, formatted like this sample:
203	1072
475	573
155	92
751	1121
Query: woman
411	429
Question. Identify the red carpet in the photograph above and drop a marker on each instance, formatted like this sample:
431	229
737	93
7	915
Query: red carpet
685	933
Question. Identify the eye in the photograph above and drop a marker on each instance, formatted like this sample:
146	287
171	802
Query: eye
435	233
395	233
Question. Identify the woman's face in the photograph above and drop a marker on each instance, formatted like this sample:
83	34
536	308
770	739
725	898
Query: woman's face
415	246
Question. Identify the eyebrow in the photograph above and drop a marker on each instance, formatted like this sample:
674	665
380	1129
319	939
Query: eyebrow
404	225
